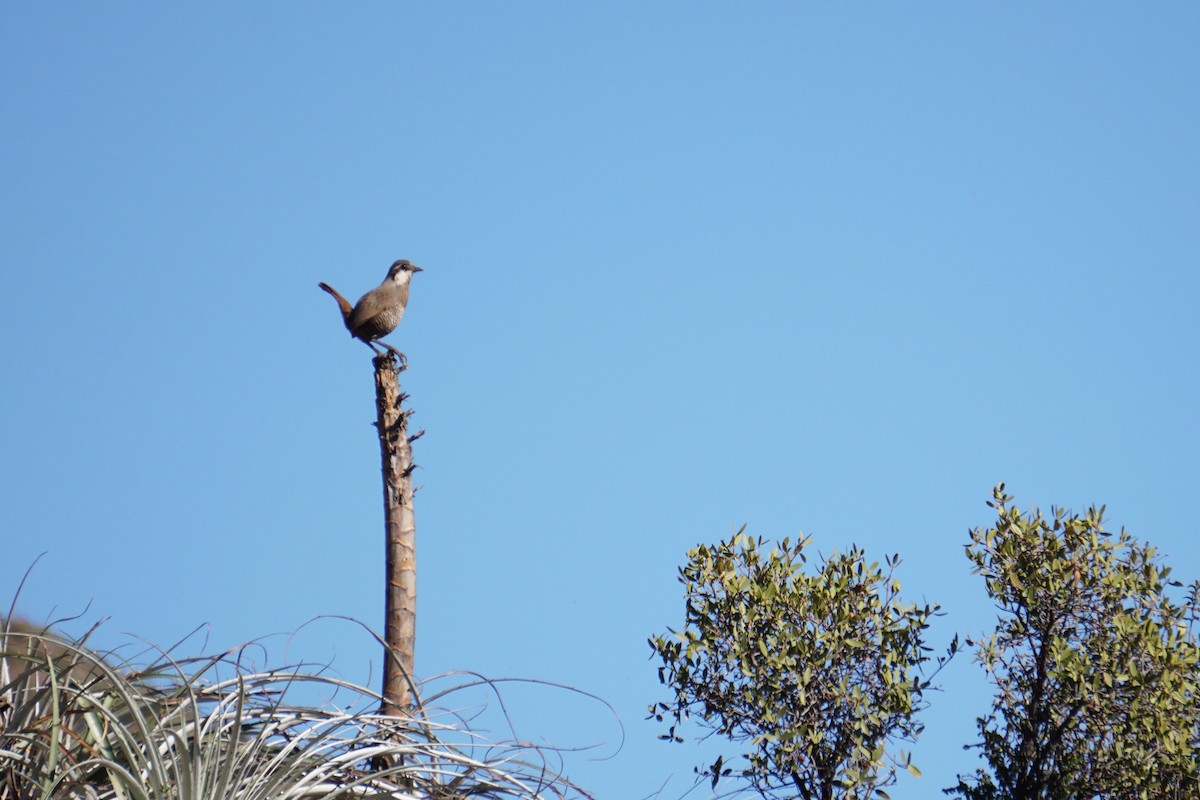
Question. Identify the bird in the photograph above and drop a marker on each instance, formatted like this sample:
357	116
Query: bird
378	312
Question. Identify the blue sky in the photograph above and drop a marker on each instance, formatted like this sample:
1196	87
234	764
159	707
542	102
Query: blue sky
831	268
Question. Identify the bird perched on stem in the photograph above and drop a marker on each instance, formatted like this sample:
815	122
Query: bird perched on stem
378	312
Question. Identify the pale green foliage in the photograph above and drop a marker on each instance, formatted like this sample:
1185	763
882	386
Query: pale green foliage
815	675
1097	670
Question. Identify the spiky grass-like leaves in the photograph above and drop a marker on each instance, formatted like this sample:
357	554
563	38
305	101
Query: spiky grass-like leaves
77	724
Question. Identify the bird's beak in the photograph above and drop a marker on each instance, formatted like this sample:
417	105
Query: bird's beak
415	268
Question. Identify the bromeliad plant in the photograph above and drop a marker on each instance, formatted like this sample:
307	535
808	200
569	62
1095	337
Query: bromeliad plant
75	724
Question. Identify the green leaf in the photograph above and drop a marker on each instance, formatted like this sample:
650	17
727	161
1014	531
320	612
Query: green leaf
784	659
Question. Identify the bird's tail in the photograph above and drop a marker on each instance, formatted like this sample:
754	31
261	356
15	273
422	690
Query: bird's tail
345	306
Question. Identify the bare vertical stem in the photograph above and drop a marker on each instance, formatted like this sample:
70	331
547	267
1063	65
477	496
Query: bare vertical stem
400	615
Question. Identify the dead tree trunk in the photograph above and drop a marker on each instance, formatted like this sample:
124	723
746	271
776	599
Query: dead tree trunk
400	613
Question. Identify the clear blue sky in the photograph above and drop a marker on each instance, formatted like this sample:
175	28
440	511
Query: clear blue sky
837	268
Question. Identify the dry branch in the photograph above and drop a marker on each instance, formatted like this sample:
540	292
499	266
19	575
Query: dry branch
400	619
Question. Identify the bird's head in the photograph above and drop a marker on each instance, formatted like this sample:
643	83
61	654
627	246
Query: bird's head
402	271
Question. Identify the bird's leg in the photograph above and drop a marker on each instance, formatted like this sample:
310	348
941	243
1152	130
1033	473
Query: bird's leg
403	358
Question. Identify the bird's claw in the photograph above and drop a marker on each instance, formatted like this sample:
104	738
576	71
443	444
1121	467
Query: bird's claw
400	356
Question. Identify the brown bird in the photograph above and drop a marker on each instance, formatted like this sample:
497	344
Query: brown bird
378	312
